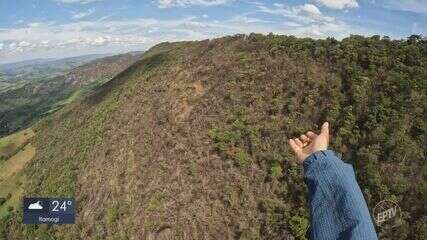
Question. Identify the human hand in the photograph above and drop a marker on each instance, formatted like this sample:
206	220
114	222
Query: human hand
310	142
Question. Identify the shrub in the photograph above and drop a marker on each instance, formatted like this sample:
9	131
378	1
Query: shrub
9	208
276	171
226	141
153	204
239	157
223	138
298	226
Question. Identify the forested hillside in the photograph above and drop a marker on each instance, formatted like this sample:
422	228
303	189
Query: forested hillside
190	142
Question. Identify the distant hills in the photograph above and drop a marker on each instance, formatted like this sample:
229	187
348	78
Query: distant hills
52	61
32	89
41	68
7	66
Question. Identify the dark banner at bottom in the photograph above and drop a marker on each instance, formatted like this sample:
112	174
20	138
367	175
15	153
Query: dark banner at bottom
49	211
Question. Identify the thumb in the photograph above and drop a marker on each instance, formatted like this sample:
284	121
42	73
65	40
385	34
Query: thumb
325	129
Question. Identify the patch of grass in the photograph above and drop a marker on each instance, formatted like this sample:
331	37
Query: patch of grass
11	144
248	234
239	156
11	174
17	162
14	201
153	204
113	213
78	94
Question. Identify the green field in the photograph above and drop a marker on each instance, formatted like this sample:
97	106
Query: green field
16	153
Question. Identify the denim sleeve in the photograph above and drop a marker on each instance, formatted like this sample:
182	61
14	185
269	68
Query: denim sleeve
337	207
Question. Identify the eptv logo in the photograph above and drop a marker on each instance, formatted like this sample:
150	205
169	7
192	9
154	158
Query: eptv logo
387	213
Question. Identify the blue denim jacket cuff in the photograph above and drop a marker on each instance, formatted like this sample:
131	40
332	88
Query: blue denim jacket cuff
317	158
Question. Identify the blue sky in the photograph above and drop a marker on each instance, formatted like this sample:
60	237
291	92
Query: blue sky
62	28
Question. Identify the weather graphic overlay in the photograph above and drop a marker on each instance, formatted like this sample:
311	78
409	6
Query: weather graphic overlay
49	211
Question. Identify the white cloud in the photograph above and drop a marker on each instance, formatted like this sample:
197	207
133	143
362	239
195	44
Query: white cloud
311	9
308	21
1	46
419	6
291	24
12	46
51	39
78	1
35	24
305	14
35	205
185	3
104	18
45	43
23	44
106	36
246	19
80	15
339	4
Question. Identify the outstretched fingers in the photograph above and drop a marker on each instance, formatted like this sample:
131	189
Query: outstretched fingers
310	142
304	138
294	146
325	129
298	142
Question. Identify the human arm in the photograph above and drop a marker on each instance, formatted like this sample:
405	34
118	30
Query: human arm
337	207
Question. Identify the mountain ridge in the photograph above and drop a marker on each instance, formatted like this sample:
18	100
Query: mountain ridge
190	141
40	61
